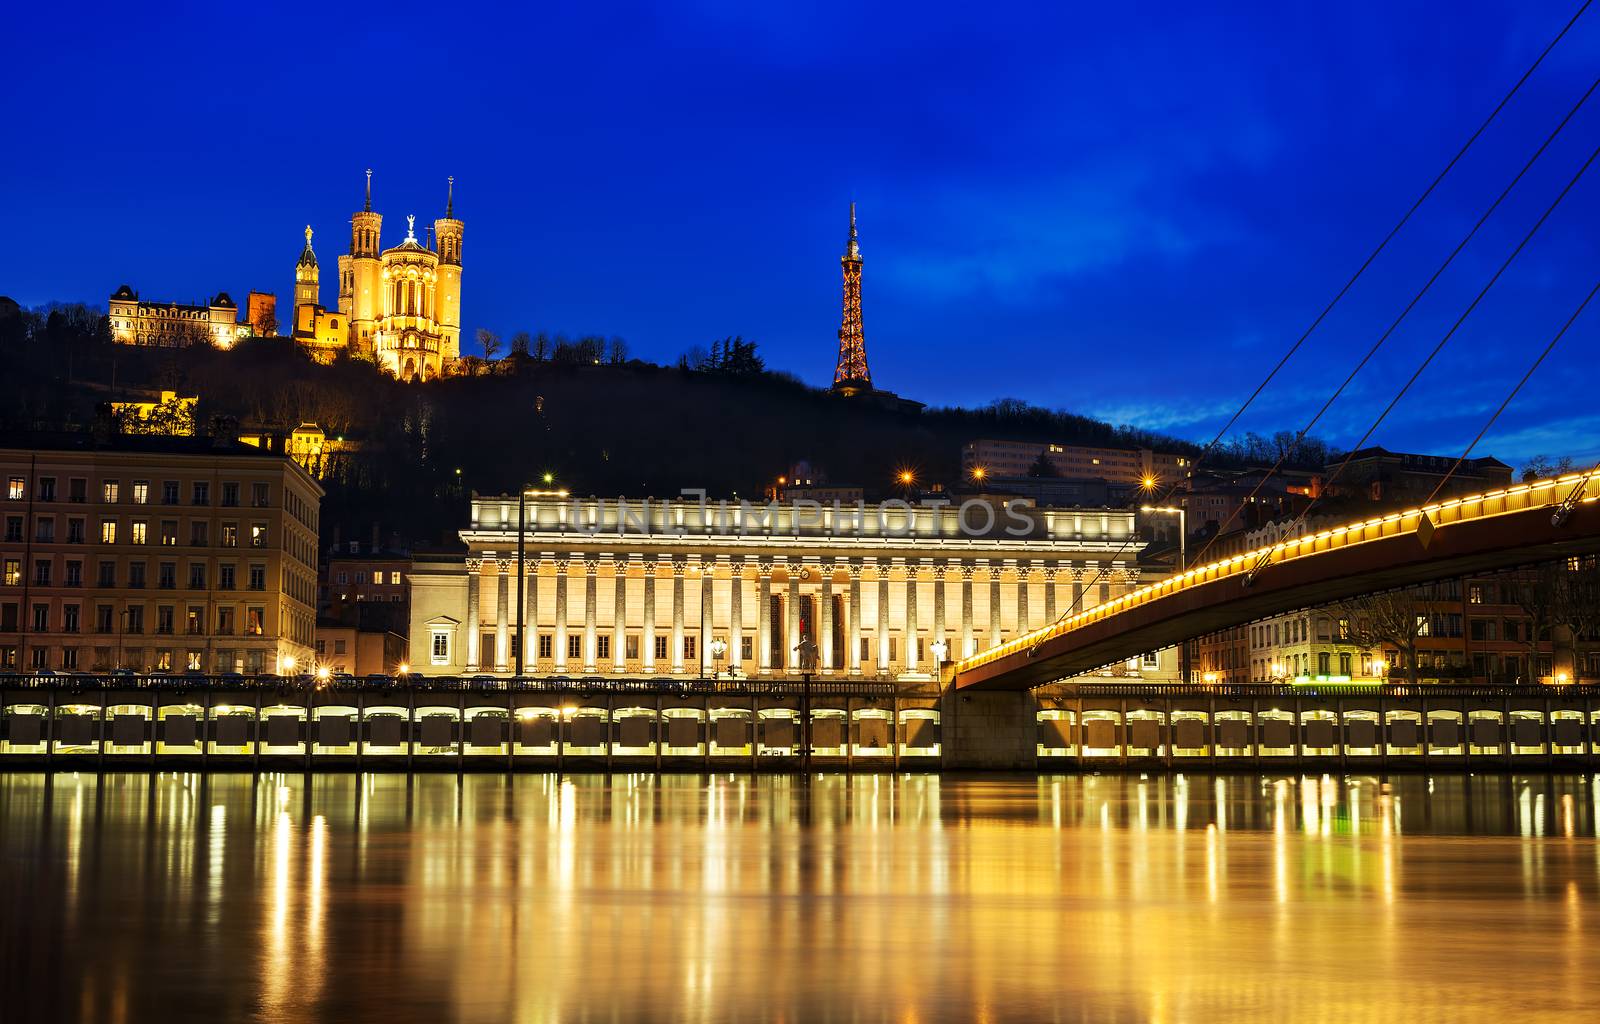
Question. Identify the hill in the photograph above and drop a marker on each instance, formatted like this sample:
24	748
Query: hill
630	427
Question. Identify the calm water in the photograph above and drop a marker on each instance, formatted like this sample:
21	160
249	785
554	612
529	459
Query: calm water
868	898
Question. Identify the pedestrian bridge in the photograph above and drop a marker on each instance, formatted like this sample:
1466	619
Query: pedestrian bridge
1486	532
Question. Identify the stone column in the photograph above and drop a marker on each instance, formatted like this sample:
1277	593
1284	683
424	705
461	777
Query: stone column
502	615
530	617
647	638
764	617
679	568
853	655
474	579
967	646
995	568
791	656
1078	576
938	633
825	657
911	615
1024	620
883	616
708	616
591	595
1049	594
736	616
619	614
560	638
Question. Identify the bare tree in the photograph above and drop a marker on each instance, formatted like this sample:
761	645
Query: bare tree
1393	619
1541	467
519	343
490	342
541	347
619	352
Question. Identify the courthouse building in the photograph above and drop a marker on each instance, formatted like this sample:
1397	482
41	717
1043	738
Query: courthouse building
680	588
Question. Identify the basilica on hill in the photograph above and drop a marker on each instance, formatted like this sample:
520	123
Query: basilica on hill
400	306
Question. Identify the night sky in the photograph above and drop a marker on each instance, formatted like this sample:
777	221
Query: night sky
1122	210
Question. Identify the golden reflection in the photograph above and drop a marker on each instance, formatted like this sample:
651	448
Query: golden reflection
913	898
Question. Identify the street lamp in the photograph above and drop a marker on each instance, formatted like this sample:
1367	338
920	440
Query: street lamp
807	650
939	649
719	647
1184	668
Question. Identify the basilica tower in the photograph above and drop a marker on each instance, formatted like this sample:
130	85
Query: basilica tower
365	285
447	231
306	290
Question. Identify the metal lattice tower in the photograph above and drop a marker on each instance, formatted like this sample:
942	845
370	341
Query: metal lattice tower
852	374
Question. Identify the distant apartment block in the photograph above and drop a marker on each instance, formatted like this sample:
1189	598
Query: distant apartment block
1115	465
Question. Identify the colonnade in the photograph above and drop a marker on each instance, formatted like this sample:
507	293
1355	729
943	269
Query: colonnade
793	596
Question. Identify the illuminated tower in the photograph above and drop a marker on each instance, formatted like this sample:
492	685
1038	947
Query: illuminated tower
306	292
447	294
851	375
365	280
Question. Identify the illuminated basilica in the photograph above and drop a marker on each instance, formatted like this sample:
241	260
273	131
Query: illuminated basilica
400	307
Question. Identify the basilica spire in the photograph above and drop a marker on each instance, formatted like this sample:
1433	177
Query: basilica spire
450	197
368	208
307	257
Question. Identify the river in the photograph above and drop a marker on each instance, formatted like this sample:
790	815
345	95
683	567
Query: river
864	898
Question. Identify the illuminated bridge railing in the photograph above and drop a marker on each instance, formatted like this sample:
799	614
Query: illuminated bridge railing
414	683
1520	498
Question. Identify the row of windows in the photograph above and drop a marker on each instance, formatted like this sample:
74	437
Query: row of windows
167	533
165	619
160	659
139	491
137	575
377	577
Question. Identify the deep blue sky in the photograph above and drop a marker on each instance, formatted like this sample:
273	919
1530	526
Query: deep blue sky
1121	210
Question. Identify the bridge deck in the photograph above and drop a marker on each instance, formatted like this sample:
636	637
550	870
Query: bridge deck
1479	533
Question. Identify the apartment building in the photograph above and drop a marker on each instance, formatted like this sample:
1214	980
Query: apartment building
154	554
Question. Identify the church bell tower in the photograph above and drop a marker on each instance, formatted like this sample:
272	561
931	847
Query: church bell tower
366	276
447	231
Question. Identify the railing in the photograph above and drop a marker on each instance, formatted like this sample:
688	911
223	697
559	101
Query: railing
1572	691
1539	493
596	685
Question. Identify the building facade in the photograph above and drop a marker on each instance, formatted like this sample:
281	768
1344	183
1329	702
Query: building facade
400	306
1408	478
988	458
136	321
671	588
154	554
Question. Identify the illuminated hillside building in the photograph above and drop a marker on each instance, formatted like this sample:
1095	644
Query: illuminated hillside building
136	321
400	307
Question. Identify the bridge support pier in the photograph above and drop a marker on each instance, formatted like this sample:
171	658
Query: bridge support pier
992	729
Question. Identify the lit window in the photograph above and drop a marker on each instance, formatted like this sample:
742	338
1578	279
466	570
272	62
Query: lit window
441	647
16	488
108	531
108	492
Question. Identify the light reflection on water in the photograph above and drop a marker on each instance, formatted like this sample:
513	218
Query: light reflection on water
911	898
